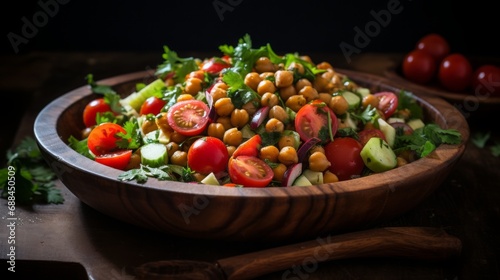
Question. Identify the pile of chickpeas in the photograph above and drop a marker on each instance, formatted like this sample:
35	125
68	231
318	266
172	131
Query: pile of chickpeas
272	82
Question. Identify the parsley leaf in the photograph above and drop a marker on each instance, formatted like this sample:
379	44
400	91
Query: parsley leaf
175	65
480	139
33	177
495	149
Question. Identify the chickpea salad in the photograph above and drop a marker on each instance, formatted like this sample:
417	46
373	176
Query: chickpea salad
253	118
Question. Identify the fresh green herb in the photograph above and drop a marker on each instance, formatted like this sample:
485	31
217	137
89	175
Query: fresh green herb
495	149
243	56
347	132
80	146
424	140
407	101
176	66
369	114
163	173
131	139
238	91
270	138
108	93
480	139
34	179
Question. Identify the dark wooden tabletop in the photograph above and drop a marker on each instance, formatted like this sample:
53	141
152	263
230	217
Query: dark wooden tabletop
73	241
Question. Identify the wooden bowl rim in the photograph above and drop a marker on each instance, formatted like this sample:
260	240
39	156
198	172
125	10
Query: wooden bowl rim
49	140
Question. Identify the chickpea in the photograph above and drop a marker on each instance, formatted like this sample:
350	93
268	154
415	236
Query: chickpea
220	85
239	117
148	125
318	162
279	171
250	107
283	78
324	65
225	121
279	113
224	107
232	137
317	148
171	148
230	150
252	80
339	105
86	132
269	99
193	86
185	96
265	86
264	64
267	76
329	177
287	140
302	83
371	100
296	102
200	74
401	161
162	123
295	66
198	176
286	92
177	137
179	158
320	83
270	153
216	130
218	93
306	58
135	161
288	156
274	125
309	93
325	97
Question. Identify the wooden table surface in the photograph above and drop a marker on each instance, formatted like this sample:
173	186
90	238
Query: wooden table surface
73	241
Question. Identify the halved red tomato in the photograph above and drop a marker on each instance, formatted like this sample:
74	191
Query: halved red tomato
312	121
367	133
152	105
250	147
250	171
102	139
188	117
118	160
388	102
94	107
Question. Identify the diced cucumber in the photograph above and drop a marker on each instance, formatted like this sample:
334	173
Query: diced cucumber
247	132
154	154
350	122
352	99
388	130
416	123
315	177
210	179
394	120
363	92
136	99
156	136
378	156
301	181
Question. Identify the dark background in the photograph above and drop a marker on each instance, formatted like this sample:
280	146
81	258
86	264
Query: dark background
302	26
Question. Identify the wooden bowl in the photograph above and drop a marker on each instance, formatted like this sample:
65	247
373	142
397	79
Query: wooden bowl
243	214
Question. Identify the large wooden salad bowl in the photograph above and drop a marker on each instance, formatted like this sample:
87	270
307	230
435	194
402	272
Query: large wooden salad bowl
241	214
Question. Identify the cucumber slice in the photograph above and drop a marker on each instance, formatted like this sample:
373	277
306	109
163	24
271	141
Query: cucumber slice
352	99
315	177
378	155
156	136
364	92
301	181
210	179
388	130
395	120
136	99
247	132
416	124
154	154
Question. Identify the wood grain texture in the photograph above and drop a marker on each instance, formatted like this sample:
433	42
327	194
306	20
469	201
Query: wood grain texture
208	212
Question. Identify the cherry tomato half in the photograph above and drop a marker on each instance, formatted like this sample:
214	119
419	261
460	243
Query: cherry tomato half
94	107
152	105
214	65
118	160
455	72
208	154
102	139
367	133
250	171
344	156
434	44
312	121
250	147
388	102
419	66
188	117
486	80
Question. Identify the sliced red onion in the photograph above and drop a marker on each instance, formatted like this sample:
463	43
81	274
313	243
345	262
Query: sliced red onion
291	174
259	117
304	149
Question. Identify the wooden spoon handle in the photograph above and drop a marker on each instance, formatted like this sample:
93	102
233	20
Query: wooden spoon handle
410	242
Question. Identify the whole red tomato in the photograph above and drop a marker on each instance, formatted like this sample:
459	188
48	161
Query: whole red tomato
455	72
435	44
486	80
419	66
344	155
208	154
